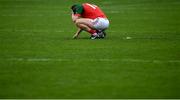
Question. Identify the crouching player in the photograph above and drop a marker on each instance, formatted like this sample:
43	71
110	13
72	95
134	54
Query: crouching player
90	18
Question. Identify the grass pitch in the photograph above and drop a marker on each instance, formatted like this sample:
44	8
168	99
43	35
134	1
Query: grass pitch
140	58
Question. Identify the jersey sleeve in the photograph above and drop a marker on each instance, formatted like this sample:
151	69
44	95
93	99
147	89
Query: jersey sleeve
79	10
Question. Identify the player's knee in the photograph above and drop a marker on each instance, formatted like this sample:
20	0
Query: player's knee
80	26
77	24
77	21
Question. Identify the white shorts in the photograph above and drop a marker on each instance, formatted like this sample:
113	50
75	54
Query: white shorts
100	23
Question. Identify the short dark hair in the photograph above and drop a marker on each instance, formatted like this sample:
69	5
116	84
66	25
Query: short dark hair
73	6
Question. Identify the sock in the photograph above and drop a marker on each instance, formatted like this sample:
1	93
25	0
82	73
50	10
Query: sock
92	32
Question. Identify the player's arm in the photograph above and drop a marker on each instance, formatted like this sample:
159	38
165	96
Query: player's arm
77	33
74	17
76	12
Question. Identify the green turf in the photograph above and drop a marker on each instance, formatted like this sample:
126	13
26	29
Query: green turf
39	58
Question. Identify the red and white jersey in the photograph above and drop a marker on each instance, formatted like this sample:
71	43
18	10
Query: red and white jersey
91	11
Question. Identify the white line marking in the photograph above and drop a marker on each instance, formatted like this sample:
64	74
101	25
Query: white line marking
113	12
150	61
92	60
24	15
26	30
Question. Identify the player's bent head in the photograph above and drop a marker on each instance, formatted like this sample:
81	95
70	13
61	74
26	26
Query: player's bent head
73	7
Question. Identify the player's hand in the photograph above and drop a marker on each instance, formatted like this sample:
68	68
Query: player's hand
75	36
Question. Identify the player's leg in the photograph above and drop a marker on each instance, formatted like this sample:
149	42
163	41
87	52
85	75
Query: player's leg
93	32
101	24
91	26
86	24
